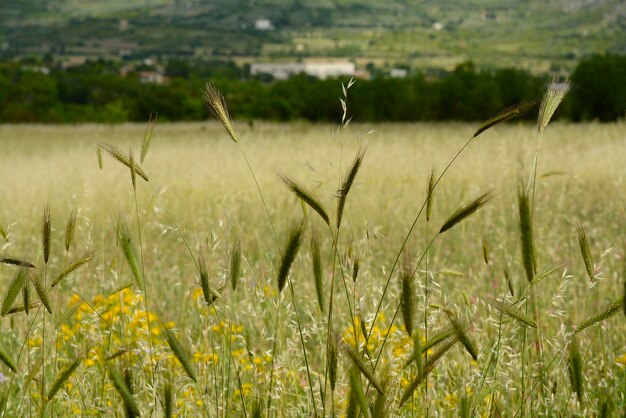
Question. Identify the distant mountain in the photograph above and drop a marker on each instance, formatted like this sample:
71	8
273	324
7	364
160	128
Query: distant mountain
539	35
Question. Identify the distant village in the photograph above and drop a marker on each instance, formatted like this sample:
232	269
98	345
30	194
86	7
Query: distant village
150	71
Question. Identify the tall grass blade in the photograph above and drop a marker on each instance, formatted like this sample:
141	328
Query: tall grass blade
307	196
316	260
356	360
73	266
147	135
554	94
114	152
179	353
295	238
575	368
15	287
216	104
526	233
428	368
64	376
346	185
512	112
123	390
607	312
464	211
459	330
512	312
379	408
509	280
69	230
583	243
357	391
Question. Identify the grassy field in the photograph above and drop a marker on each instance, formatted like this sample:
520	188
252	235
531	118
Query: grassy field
131	333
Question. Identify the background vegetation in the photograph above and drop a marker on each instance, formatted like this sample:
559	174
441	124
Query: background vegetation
95	92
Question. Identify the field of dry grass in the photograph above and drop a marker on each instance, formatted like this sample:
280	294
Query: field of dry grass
247	346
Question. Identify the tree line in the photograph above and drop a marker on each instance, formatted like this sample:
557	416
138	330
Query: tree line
96	92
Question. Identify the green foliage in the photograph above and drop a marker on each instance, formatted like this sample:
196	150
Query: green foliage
96	92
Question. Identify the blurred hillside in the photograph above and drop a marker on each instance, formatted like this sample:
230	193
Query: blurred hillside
535	35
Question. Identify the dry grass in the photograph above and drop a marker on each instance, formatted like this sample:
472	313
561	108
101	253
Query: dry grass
197	176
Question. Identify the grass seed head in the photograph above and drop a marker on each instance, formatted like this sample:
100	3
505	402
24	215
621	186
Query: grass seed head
512	112
466	210
69	230
147	135
583	243
15	287
574	363
526	233
554	94
430	196
214	100
348	182
316	261
307	196
235	265
293	245
45	233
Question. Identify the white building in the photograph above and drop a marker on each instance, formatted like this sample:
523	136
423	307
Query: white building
263	24
321	70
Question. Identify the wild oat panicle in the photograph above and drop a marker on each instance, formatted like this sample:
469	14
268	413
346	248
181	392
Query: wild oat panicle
45	233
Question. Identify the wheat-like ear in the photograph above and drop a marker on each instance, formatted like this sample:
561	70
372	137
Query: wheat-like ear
129	253
307	196
316	260
131	160
14	290
333	355
216	104
512	112
114	152
485	251
123	390
14	261
41	292
357	391
45	233
7	360
430	196
65	375
509	280
526	233
72	266
147	135
513	312
356	360
235	265
555	93
4	233
69	230
407	297
575	368
179	353
210	294
295	238
459	330
428	368
466	210
380	409
605	313
346	185
26	296
585	251
99	155
546	273
168	400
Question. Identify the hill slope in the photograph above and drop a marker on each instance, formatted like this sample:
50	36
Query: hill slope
532	34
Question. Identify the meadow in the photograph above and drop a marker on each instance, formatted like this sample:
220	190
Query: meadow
178	297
